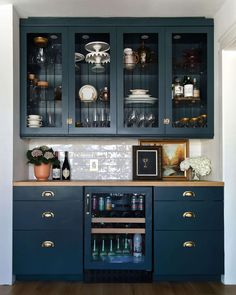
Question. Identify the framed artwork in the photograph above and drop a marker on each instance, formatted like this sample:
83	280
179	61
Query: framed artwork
173	153
147	163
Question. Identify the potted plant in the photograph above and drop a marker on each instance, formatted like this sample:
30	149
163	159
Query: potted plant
42	157
199	166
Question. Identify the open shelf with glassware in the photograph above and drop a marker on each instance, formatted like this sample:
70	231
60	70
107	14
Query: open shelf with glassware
118	228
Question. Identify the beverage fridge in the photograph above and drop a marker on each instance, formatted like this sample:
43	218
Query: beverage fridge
118	228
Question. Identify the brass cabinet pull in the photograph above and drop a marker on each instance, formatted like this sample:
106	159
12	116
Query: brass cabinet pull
48	215
188	244
188	194
48	244
188	214
48	194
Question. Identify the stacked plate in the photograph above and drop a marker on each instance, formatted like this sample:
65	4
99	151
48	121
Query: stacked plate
140	96
34	121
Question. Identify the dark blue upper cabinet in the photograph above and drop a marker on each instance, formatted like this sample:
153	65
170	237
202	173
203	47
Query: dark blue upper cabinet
100	77
44	81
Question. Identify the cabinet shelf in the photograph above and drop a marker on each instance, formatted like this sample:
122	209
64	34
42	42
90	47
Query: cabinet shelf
118	230
117	220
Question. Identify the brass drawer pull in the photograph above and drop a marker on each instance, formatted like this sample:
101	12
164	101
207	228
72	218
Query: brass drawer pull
48	215
188	214
48	244
48	194
188	194
188	244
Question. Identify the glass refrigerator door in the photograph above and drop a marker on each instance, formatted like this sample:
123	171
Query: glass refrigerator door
117	229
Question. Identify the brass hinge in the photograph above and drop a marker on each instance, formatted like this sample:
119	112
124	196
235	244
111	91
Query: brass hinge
166	121
69	121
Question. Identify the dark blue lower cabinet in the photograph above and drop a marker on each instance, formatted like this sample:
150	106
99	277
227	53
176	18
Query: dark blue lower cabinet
188	253
48	253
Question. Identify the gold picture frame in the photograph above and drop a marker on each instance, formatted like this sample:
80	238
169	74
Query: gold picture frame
174	151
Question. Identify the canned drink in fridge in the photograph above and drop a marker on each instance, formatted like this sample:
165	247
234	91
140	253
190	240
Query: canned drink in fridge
108	205
141	203
101	203
94	203
133	203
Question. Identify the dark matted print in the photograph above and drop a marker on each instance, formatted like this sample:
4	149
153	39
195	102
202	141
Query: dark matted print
147	163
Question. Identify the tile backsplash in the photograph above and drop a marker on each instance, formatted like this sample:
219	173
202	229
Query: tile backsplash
93	159
98	158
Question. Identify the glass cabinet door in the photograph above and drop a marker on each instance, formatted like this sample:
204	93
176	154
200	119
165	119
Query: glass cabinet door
43	82
140	81
92	79
189	81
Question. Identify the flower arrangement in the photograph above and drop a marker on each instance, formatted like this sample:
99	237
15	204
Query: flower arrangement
42	154
200	165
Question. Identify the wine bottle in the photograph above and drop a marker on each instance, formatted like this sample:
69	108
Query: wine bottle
66	168
56	168
188	87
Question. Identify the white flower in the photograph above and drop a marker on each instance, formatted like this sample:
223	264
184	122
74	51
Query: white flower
48	155
36	153
201	165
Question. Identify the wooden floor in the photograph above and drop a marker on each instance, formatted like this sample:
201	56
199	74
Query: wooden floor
71	288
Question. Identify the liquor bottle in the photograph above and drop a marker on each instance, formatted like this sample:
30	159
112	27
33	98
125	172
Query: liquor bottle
56	168
178	90
66	168
137	242
196	90
188	87
31	88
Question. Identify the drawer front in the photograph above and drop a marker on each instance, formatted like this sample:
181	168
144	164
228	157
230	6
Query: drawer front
47	193
47	215
186	215
30	258
173	254
186	193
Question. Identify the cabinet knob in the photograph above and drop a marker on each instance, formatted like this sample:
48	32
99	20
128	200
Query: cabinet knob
188	194
69	121
188	244
166	121
48	244
48	194
48	215
188	214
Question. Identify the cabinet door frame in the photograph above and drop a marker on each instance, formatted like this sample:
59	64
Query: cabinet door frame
44	131
92	130
120	85
207	132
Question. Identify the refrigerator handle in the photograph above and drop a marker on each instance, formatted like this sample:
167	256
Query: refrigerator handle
87	204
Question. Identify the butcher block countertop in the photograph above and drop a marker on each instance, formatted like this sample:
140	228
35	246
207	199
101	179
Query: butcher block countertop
116	183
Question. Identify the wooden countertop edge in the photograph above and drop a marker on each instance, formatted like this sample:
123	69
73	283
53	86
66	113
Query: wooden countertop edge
117	183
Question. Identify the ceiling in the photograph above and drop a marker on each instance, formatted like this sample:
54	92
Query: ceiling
115	8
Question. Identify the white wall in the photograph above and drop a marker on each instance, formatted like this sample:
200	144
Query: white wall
6	137
229	146
225	35
9	103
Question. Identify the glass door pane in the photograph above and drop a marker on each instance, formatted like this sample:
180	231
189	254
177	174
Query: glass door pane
92	80
140	81
44	80
189	80
119	229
